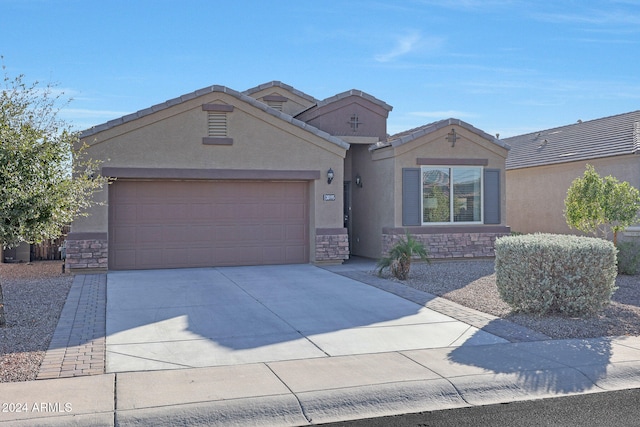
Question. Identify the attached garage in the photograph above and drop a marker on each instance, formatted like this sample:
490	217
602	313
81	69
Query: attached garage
202	223
214	177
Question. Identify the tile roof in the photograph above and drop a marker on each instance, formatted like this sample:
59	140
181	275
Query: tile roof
210	89
411	134
604	137
276	83
355	92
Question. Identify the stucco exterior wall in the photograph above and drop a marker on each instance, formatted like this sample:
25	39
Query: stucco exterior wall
379	220
435	146
372	203
535	196
172	138
335	118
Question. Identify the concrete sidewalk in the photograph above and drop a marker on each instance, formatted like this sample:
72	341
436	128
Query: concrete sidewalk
308	391
311	391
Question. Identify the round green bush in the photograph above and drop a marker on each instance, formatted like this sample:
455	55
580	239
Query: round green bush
555	274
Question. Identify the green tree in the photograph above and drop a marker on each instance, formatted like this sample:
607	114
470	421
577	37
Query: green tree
597	205
45	178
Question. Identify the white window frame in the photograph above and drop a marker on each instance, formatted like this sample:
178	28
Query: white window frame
451	168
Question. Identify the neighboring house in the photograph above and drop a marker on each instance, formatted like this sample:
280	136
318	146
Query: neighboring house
542	165
273	176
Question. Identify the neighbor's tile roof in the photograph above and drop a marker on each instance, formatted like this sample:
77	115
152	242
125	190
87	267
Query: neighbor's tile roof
605	137
215	88
411	134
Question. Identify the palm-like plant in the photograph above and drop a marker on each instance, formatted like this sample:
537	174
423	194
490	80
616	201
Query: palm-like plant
400	256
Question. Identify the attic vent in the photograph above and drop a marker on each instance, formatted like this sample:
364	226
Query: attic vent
275	104
275	101
217	123
636	137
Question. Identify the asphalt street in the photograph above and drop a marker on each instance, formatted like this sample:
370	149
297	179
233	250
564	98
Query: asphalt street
611	409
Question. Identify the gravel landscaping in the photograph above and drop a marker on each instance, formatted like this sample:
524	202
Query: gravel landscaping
472	284
35	293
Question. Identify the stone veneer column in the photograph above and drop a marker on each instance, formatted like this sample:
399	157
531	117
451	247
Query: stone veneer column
332	245
87	251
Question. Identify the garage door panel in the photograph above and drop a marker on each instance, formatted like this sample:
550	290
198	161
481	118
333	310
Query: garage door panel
200	257
175	233
198	234
295	232
274	232
150	235
272	255
201	211
149	257
295	255
272	213
124	213
156	224
123	235
150	212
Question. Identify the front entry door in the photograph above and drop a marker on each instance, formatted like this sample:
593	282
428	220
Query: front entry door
347	210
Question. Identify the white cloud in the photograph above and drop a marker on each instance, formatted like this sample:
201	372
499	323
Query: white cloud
408	43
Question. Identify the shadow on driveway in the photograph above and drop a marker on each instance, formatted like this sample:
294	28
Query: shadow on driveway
164	319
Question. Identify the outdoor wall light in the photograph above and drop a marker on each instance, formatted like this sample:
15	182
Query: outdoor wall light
358	181
329	176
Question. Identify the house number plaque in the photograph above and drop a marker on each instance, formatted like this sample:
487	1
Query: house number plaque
329	197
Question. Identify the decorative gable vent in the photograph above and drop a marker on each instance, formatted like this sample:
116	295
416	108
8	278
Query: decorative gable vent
217	124
275	101
275	104
217	132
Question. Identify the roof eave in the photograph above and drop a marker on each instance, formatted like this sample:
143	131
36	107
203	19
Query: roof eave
211	89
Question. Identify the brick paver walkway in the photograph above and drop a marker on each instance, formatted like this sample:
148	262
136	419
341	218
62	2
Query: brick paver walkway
78	343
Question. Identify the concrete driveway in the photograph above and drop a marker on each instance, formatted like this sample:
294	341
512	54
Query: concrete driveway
170	319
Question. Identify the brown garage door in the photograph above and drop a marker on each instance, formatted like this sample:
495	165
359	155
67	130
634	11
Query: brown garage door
173	224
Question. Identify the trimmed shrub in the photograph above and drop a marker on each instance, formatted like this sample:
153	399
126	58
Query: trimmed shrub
628	257
555	274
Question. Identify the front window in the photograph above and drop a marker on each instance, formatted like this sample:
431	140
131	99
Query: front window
451	194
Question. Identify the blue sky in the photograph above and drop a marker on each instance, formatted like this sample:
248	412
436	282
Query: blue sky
506	67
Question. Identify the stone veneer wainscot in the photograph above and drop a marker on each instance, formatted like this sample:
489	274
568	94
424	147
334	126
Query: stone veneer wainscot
449	242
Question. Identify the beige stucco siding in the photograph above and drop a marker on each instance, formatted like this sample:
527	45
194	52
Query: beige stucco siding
382	169
435	146
372	203
535	196
173	139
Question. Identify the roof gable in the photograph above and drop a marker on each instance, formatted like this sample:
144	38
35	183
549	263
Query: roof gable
350	113
279	84
292	101
605	137
412	134
358	93
208	90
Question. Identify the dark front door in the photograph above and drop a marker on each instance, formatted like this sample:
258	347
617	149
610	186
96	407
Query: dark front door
347	210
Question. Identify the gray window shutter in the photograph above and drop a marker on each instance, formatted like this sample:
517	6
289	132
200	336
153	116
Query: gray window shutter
411	196
492	196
